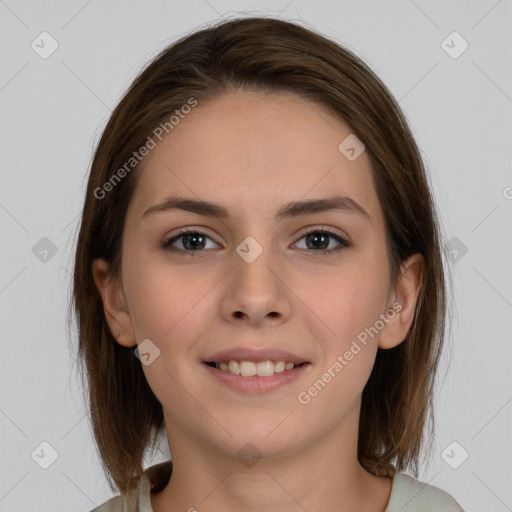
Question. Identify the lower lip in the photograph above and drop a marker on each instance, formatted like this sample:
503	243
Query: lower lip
257	384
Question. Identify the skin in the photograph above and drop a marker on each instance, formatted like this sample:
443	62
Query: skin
253	152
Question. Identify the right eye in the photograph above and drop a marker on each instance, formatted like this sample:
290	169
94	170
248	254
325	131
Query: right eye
190	239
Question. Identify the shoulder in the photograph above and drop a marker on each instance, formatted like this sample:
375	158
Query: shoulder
115	504
124	503
153	479
411	495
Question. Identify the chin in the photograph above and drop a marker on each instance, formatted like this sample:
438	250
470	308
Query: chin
253	440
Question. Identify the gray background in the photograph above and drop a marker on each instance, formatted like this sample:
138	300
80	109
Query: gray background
52	112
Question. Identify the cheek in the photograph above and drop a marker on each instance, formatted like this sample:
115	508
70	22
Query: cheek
170	308
350	300
349	303
165	302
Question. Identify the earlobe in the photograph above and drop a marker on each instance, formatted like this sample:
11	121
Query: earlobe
116	312
403	301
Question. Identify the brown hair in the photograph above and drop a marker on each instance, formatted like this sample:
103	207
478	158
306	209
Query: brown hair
262	54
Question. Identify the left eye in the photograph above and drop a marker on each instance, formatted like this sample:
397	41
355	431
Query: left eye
319	237
193	241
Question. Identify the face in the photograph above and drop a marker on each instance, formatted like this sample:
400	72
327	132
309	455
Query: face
254	280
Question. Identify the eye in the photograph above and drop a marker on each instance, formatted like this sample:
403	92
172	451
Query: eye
319	238
192	242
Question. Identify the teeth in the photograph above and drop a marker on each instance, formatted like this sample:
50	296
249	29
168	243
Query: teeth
234	367
265	368
280	366
250	368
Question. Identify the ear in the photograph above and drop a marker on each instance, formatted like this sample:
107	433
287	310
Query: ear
114	304
404	297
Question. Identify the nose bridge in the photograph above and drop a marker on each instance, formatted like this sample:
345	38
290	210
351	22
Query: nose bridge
255	287
255	260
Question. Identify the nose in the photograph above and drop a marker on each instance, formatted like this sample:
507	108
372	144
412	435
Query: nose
256	291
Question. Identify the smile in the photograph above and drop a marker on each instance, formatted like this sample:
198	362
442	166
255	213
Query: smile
250	368
256	377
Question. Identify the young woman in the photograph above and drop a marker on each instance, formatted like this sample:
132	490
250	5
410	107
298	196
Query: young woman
259	272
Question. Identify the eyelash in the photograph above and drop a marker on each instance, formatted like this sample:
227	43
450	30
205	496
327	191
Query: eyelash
166	244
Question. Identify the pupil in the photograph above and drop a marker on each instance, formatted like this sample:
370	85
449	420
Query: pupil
187	238
316	236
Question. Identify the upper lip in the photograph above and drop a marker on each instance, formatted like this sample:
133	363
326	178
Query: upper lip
255	354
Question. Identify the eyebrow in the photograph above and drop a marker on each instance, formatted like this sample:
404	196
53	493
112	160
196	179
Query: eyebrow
292	209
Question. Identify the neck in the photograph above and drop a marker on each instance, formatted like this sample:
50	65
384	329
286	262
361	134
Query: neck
322	476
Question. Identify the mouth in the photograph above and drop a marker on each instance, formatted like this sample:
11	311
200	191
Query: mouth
255	370
256	377
245	368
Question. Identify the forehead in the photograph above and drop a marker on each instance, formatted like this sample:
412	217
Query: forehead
255	150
